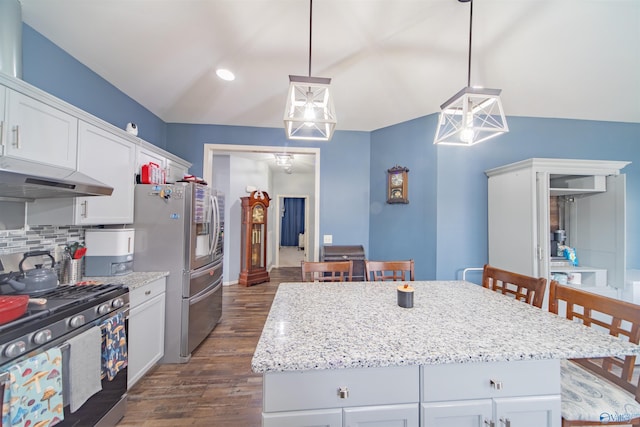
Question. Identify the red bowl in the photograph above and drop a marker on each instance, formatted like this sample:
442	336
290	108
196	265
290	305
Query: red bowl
12	307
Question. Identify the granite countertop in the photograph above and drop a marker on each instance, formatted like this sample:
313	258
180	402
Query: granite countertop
132	280
359	325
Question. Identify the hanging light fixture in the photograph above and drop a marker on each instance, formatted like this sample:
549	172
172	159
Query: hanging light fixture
284	159
473	114
309	113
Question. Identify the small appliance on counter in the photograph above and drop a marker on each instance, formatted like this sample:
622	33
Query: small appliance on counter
109	252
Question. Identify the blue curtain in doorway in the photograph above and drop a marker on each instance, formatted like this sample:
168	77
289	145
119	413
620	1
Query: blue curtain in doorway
292	221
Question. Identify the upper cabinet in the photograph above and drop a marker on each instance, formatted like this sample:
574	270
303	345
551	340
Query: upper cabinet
36	131
42	128
174	168
538	204
111	159
107	157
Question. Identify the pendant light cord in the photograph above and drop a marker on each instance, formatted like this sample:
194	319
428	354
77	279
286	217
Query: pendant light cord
469	64
310	32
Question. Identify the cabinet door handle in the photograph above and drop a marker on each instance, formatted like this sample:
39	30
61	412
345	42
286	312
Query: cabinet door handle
85	209
506	422
147	292
2	137
489	423
496	385
16	130
129	245
343	392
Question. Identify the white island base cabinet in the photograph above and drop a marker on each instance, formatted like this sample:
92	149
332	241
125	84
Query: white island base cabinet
499	394
364	397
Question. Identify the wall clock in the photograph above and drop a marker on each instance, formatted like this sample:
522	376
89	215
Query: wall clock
397	185
253	268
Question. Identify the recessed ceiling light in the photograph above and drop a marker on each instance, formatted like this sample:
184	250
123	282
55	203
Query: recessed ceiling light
225	74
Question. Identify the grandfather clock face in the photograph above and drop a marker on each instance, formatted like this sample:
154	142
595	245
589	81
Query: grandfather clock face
258	213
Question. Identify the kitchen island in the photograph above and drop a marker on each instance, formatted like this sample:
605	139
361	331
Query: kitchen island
346	354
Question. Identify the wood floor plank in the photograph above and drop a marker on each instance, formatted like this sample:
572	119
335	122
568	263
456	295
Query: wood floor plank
217	387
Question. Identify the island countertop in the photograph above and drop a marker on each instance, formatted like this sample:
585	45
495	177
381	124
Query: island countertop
359	325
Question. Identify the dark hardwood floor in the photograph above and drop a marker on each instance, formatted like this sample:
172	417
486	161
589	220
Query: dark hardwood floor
217	387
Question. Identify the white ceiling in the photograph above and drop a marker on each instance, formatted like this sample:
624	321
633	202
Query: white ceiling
389	60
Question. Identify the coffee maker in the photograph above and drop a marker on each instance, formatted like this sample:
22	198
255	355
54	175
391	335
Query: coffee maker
557	239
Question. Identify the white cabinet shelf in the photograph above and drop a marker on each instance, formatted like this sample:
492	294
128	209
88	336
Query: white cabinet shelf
589	276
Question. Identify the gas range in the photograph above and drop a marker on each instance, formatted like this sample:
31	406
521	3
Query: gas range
68	309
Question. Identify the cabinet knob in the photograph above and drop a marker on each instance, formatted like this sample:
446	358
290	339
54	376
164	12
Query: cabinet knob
343	392
506	422
496	385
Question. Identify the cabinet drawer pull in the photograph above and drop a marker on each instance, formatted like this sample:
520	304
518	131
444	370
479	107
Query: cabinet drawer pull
496	385
343	392
506	422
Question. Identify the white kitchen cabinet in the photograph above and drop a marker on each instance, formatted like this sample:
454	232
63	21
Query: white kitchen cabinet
39	132
524	393
362	397
590	199
173	168
176	170
388	416
537	411
146	328
107	158
146	155
3	123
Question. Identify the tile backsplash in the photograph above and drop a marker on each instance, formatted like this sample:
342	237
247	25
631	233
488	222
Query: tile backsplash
38	238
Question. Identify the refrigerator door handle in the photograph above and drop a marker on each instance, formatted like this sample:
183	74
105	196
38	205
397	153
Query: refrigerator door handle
204	294
213	236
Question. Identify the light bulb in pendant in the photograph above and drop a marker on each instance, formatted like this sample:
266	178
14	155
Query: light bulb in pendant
309	111
467	134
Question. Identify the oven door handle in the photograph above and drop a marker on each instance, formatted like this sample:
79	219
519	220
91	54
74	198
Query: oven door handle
205	294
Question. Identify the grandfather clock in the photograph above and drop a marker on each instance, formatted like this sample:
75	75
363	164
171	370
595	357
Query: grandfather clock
253	268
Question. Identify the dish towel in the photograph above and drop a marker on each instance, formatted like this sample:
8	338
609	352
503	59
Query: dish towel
114	346
84	367
33	393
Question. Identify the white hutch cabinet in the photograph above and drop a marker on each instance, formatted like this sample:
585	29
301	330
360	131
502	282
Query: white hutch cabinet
588	199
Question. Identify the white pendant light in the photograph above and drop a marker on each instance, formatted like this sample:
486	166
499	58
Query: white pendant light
472	115
309	113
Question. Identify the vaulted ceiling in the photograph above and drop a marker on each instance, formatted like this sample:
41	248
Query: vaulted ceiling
389	60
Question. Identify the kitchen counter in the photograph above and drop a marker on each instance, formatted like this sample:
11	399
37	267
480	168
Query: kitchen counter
327	326
132	280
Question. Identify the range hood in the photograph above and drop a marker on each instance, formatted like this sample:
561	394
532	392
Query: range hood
23	180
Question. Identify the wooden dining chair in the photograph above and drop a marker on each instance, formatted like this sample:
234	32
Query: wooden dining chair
601	391
523	288
389	270
328	271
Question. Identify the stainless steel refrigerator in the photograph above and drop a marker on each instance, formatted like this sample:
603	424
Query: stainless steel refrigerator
180	229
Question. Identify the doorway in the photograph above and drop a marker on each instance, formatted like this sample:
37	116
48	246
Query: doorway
235	183
292	233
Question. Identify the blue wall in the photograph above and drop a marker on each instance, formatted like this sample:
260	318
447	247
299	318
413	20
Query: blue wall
444	226
344	170
51	69
399	231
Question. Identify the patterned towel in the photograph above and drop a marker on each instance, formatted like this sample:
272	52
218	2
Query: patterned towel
114	346
33	393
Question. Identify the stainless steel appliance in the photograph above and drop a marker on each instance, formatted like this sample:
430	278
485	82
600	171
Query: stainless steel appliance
69	311
180	228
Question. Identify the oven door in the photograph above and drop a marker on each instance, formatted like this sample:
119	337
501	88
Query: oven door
106	407
202	312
